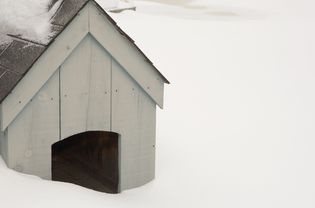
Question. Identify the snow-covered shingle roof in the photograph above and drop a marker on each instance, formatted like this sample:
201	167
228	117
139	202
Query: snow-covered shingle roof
19	54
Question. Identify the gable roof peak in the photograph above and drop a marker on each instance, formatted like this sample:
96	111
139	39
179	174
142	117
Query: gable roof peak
19	55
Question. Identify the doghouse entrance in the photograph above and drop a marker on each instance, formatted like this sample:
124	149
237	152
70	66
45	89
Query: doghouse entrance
88	159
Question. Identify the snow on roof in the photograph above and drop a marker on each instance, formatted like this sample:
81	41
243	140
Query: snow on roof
27	18
27	27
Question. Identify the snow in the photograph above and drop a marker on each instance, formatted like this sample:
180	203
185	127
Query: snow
238	125
116	5
29	18
125	3
108	4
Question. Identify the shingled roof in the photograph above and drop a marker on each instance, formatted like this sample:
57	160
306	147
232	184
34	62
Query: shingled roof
18	55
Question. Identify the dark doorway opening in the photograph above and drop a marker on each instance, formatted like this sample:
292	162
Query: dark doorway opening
89	159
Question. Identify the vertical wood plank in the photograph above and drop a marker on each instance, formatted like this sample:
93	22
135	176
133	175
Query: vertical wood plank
133	117
85	89
74	89
44	68
126	54
34	130
90	91
99	90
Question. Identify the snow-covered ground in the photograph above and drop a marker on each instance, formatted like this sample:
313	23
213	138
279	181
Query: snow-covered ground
238	125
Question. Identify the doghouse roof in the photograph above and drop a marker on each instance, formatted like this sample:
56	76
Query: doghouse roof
19	55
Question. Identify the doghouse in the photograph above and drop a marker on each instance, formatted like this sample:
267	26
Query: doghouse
82	108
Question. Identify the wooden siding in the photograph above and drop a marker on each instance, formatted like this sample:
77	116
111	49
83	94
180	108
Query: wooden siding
33	132
74	89
91	90
44	68
133	117
85	89
94	93
89	21
99	89
126	55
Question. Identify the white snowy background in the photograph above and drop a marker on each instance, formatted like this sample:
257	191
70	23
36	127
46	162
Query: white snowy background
237	130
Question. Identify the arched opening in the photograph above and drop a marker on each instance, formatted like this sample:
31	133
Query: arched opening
89	159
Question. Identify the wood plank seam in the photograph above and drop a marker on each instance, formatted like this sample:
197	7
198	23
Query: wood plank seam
9	113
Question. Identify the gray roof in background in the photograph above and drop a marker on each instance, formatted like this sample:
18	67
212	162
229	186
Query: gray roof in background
18	56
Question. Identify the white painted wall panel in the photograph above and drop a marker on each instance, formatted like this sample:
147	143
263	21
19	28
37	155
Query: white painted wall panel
85	89
33	131
99	89
133	117
44	68
74	89
93	91
126	55
92	21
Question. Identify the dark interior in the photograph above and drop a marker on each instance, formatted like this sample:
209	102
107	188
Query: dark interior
89	159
